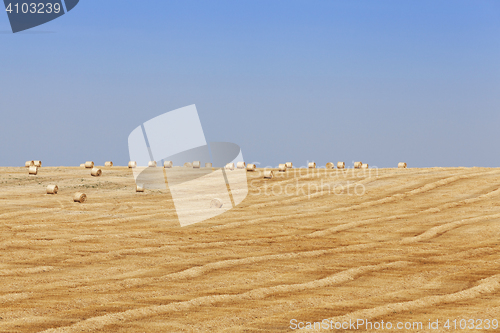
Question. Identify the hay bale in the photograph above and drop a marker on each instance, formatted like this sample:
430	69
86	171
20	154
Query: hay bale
168	164
38	164
251	167
108	164
196	164
402	165
79	197
268	174
82	165
52	189
188	165
29	163
289	165
96	172
330	165
152	164
33	170
139	188
340	165
89	164
230	166
216	203
357	165
132	164
282	167
241	165
312	165
364	166
208	165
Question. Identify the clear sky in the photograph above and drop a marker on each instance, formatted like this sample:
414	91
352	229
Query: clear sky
375	81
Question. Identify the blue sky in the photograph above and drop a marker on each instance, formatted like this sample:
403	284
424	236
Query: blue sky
375	81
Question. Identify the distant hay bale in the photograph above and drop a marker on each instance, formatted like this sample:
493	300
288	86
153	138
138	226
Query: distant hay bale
29	163
188	165
139	188
289	165
241	165
208	165
340	165
52	189
38	164
357	165
282	167
402	165
364	166
82	165
168	164
230	166
268	174
196	164
33	170
152	164
312	165
108	164
132	164
216	203
89	164
96	172
79	197
251	167
330	165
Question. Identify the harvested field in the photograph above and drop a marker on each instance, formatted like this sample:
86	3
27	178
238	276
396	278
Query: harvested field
398	245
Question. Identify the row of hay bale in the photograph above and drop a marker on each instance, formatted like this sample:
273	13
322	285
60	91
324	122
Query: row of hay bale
77	197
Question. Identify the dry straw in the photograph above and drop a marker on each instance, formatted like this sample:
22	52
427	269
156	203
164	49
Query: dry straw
168	164
241	165
37	164
402	165
89	164
29	163
340	165
364	166
289	165
268	174
188	165
152	164
33	170
282	167
208	165
230	166
52	189
96	172
357	165
82	165
139	188
132	164
312	165
330	165
79	197
216	203
251	167
108	164
196	164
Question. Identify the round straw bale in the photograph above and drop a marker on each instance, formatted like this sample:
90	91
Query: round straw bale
82	165
132	164
364	166
268	174
37	164
402	165
196	164
33	170
79	197
311	165
251	167
152	164
340	165
357	165
330	165
208	165
289	165
241	165
188	165
89	164
282	167
96	172
230	166
52	189
108	164
29	163
139	188
216	203
168	164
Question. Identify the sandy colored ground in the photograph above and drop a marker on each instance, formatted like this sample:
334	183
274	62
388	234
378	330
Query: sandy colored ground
420	244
